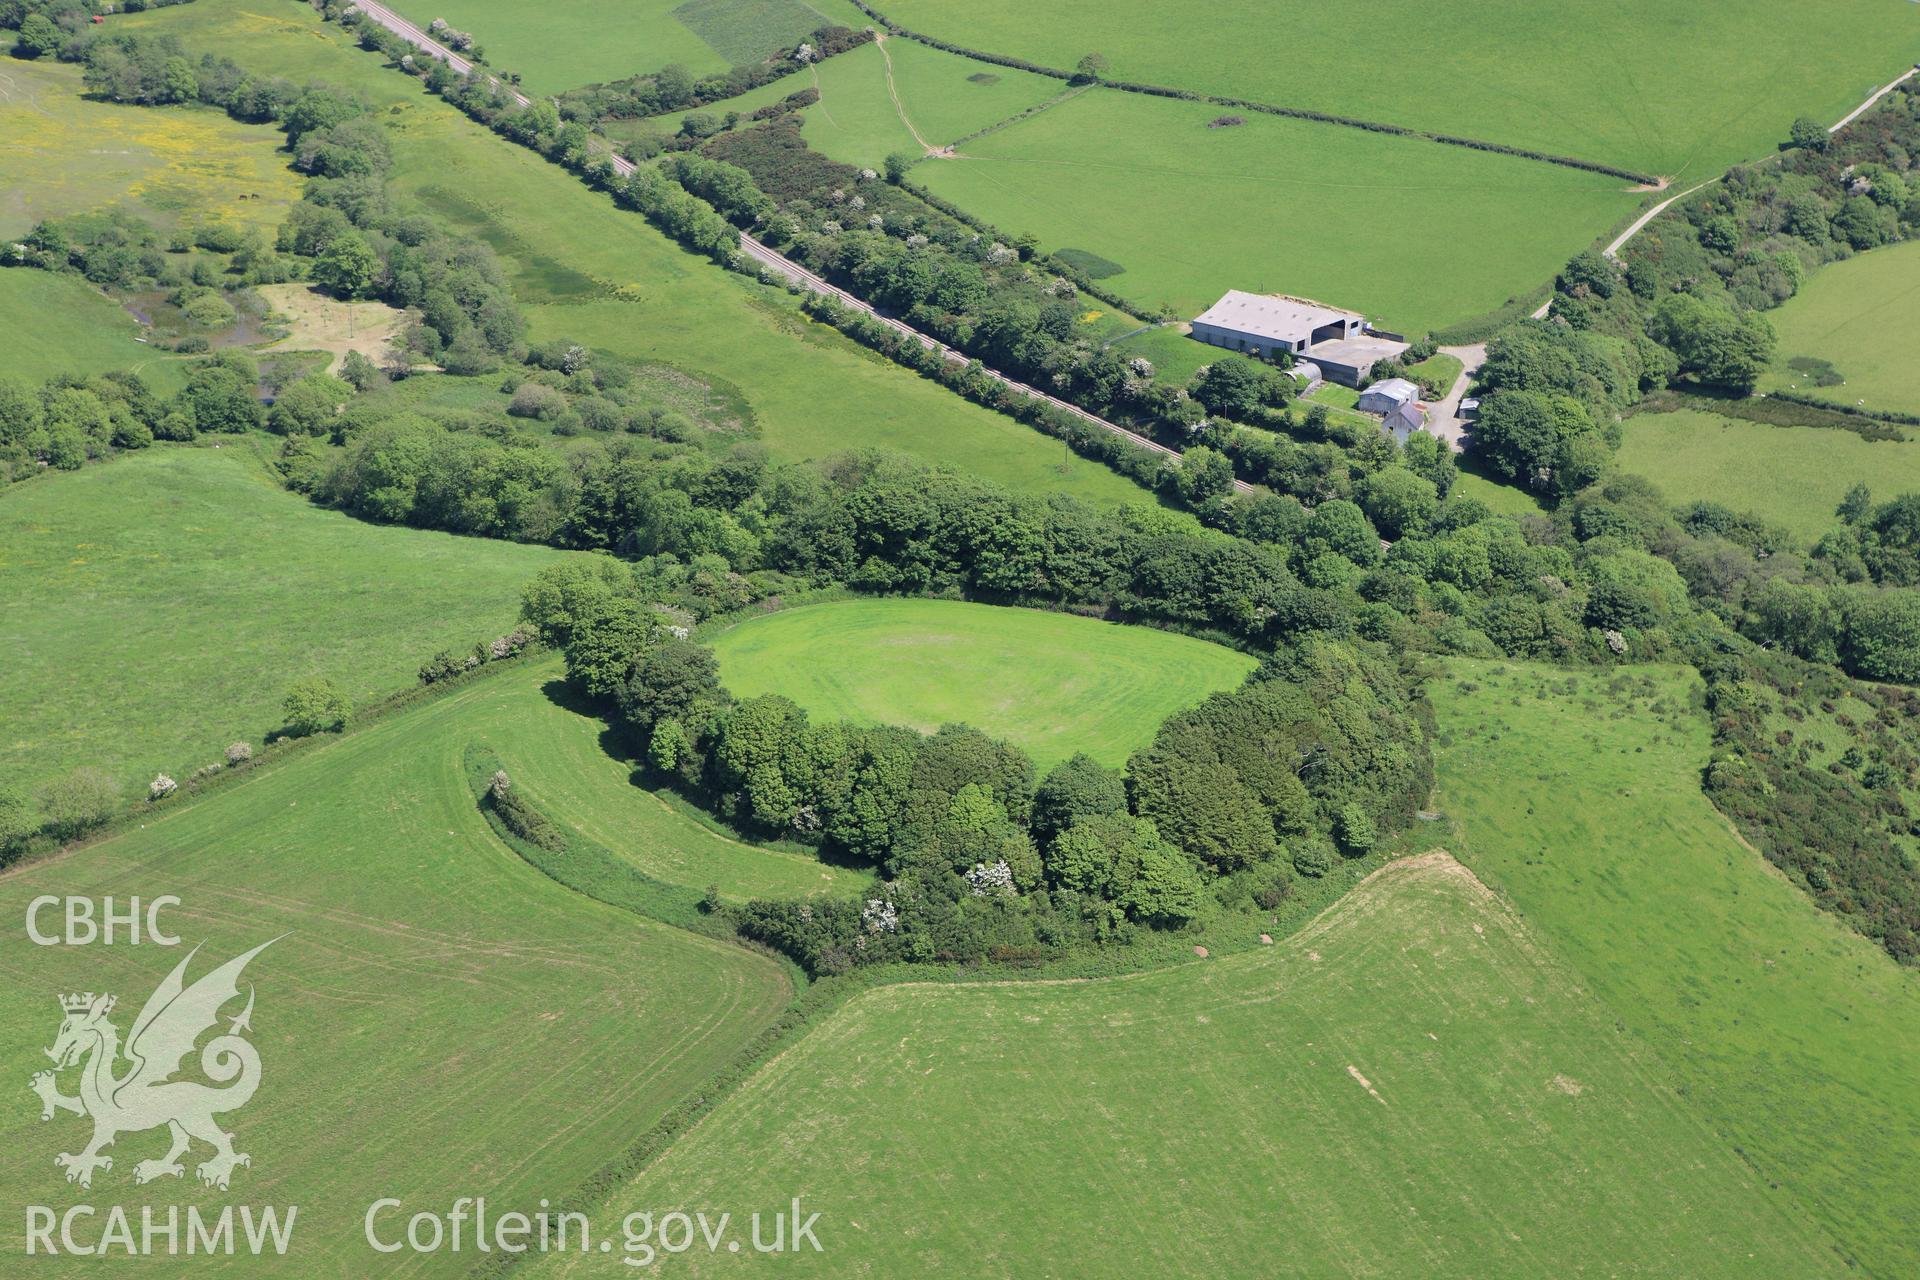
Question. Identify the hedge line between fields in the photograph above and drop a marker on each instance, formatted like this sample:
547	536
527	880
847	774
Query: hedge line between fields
1264	108
39	846
1850	410
1134	461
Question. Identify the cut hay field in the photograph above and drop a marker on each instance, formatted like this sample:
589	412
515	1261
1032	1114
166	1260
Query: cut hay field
578	772
1861	316
1052	683
1415	235
1577	797
1411	1085
586	270
439	1019
1681	90
63	153
58	323
1793	477
156	607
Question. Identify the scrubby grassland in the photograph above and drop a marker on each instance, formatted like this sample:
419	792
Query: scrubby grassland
440	1020
63	153
1652	86
1410	1085
856	121
1861	316
576	772
1051	683
155	608
559	46
585	270
1793	477
61	324
316	322
1416	235
1577	796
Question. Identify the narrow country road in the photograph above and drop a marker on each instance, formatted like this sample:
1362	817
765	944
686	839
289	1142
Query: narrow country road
1619	241
771	258
1443	418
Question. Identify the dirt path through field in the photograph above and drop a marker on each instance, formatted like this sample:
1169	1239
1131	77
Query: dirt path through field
893	91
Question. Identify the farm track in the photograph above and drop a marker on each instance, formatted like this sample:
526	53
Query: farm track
775	260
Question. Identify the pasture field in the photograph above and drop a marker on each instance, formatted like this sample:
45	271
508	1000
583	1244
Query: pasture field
1576	795
1861	316
439	1019
1651	86
1500	497
586	270
1412	1084
1052	683
58	323
582	777
560	46
1415	235
1175	356
858	121
1793	477
156	607
63	153
1439	368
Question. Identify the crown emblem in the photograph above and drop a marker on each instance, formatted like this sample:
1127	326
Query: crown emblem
77	1002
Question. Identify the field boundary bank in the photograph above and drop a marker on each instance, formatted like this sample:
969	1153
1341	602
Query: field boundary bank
1264	108
1771	409
817	1000
1850	410
269	758
1059	99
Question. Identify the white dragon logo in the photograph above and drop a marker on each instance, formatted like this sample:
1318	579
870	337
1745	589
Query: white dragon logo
147	1096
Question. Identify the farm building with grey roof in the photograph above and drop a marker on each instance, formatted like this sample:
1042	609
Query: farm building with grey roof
1264	324
1270	325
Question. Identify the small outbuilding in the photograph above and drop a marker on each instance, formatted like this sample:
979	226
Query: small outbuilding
1387	395
1469	409
1404	421
1307	374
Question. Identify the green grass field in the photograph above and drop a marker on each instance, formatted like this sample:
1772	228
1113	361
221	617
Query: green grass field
156	607
1499	496
555	47
1677	90
586	270
857	120
1793	477
1862	316
63	153
1052	683
577	773
1415	235
58	323
1411	1085
1577	796
440	1020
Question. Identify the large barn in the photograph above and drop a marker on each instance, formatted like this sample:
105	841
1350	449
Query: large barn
1265	324
1273	324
